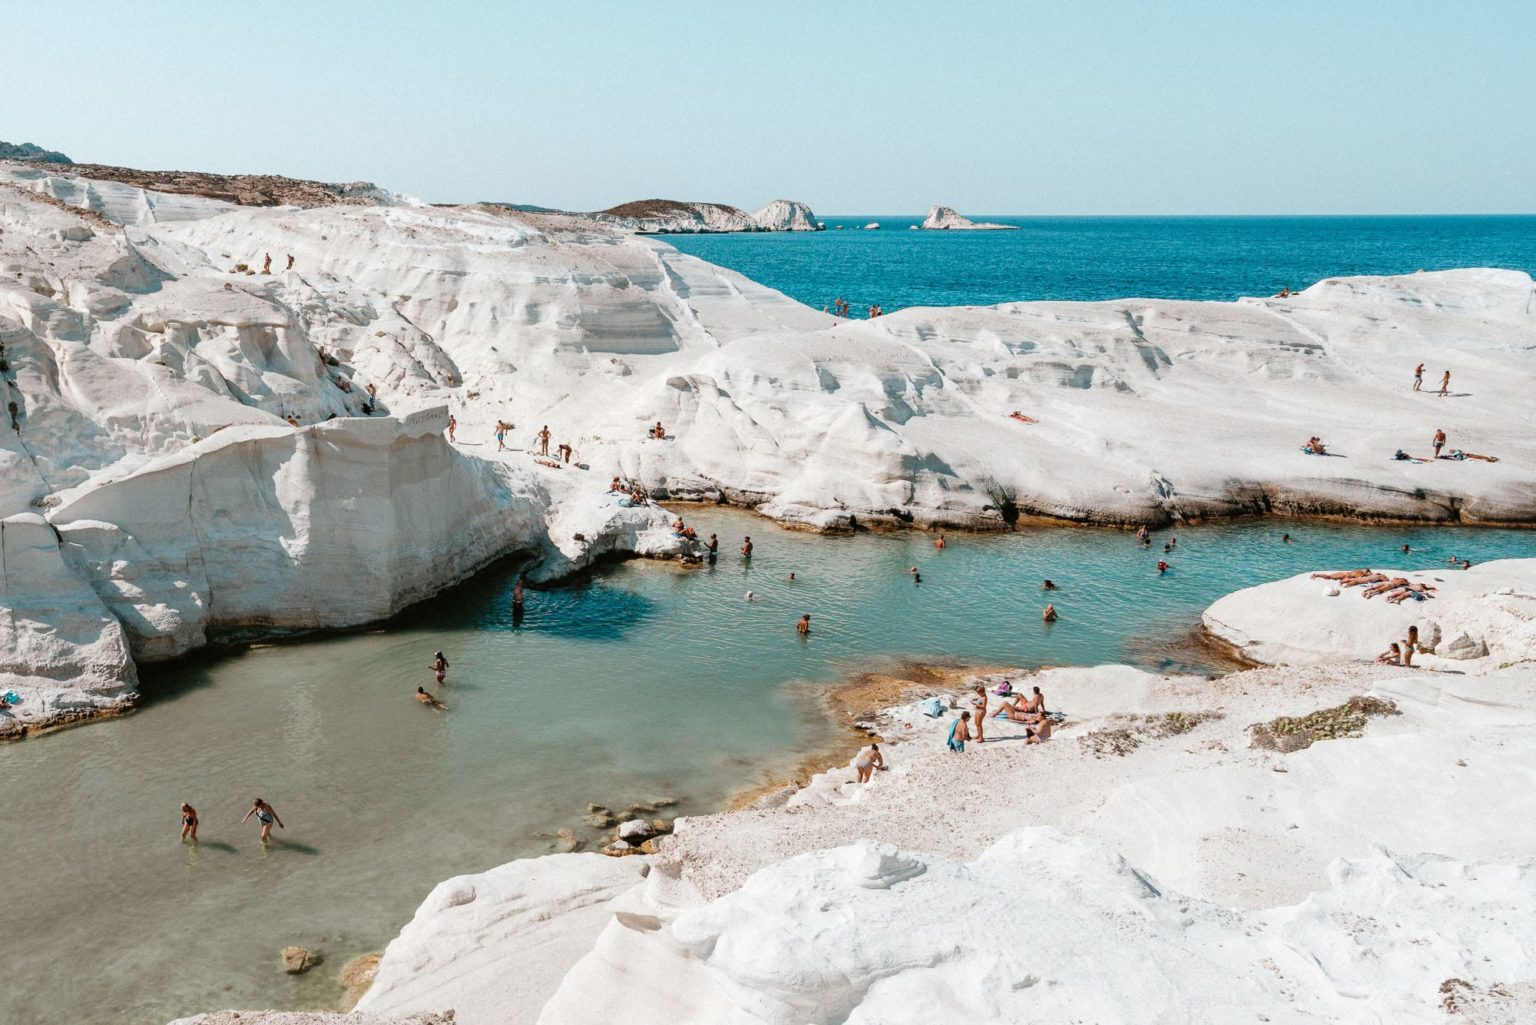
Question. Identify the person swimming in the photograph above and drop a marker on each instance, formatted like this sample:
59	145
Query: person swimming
1162	566
804	626
938	542
1048	585
429	700
917	577
1049	614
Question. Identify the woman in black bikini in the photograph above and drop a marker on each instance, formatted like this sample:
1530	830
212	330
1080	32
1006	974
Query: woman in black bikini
188	822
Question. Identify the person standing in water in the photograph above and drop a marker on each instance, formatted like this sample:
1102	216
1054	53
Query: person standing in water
517	595
917	577
938	542
439	667
265	816
712	546
1049	614
188	822
1418	377
804	626
746	549
1162	566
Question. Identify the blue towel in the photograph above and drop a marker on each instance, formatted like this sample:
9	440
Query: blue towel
933	708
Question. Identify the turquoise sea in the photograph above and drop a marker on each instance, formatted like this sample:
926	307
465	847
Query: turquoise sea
1093	258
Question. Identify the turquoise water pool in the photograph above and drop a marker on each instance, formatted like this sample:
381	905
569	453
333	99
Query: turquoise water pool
644	680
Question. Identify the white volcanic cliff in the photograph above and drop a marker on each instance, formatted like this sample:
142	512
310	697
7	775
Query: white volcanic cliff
786	215
944	218
149	357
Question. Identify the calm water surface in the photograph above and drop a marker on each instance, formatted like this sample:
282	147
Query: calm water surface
1093	258
646	680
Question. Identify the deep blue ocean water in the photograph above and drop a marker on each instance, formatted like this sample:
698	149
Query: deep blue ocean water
1219	258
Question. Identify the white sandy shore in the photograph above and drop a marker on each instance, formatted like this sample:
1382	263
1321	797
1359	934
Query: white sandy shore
1191	878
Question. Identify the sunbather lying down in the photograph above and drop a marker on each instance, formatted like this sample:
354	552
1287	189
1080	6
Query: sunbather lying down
1369	578
1385	585
1457	453
1418	592
1343	574
1021	418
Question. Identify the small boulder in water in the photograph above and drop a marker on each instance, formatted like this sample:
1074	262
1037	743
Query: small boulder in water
297	960
634	829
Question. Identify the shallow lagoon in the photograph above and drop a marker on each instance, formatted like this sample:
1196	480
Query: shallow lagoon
645	680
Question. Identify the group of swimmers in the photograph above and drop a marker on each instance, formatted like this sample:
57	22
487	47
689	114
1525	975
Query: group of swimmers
266	817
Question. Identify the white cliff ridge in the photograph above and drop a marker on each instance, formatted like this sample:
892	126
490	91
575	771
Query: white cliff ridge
944	218
137	323
786	215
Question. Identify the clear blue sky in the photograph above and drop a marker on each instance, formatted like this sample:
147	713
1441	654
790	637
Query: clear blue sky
1221	106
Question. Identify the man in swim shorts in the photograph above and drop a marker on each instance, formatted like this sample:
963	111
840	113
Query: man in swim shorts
959	733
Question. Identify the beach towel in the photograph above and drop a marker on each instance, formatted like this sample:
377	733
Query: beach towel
933	708
11	697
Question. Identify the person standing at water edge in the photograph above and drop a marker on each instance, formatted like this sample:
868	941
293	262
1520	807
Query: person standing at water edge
517	595
1418	377
439	667
713	547
188	822
265	815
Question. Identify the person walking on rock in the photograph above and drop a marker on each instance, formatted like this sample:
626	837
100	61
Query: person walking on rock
266	265
1445	384
1418	377
1439	442
265	815
453	425
501	435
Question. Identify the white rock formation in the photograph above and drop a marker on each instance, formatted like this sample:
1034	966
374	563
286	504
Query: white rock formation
786	215
1477	620
131	331
872	226
944	218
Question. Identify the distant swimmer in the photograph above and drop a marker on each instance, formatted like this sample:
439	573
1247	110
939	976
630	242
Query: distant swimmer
1285	539
917	577
1143	535
1162	566
1049	585
938	542
1049	615
1406	549
751	596
959	733
265	816
439	667
1418	377
804	626
791	578
1167	548
188	822
867	761
1445	384
429	700
746	548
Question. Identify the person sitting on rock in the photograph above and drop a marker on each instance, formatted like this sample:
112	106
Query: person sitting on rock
1393	656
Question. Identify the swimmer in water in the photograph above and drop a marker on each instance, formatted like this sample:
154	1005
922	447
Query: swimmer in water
265	815
938	542
917	577
1162	566
746	549
1049	585
791	578
1285	538
188	822
751	596
1049	615
804	626
429	700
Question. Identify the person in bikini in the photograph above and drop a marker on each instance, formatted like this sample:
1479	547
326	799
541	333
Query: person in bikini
1384	586
544	437
265	815
188	822
979	705
439	664
1343	574
1392	656
867	761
